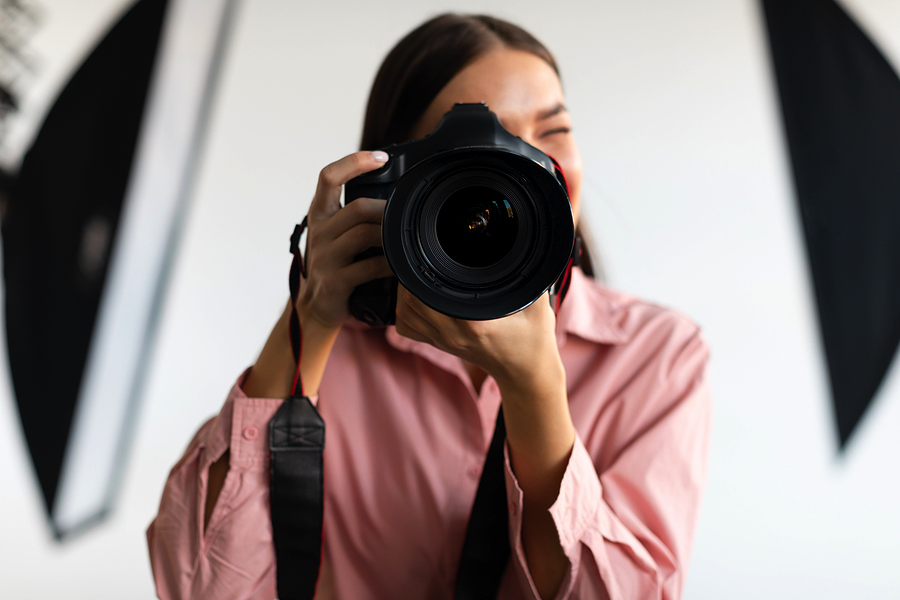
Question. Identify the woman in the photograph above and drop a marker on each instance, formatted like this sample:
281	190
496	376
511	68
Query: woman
606	404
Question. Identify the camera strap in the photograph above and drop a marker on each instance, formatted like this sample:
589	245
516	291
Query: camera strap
297	476
486	548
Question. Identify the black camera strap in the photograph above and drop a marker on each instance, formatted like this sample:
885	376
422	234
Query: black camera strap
486	548
297	482
297	493
297	476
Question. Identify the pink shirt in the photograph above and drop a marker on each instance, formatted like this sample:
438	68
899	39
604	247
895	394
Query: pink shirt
406	437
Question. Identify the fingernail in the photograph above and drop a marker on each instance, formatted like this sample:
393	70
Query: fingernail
379	156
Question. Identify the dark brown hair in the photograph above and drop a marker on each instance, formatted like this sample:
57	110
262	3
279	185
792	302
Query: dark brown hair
425	61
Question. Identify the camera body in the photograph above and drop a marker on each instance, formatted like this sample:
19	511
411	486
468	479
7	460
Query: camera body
477	225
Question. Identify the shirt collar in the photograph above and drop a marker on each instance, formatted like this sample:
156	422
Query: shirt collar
591	311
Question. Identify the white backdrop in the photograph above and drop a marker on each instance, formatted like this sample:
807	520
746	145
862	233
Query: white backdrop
689	196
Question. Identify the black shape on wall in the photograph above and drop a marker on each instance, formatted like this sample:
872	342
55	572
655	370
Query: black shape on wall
840	102
60	225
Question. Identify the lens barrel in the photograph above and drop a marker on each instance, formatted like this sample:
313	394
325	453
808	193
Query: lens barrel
477	233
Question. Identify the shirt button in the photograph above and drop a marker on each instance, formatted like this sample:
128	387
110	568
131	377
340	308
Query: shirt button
473	472
513	509
251	432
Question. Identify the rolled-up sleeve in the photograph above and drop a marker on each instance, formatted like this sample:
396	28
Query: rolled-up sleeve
233	557
627	530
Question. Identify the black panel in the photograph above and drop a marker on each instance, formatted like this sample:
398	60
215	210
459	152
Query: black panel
840	101
61	222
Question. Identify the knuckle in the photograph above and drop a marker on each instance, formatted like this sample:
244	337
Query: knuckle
363	205
328	176
356	207
367	210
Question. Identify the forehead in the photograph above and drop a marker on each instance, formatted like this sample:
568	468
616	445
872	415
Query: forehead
516	85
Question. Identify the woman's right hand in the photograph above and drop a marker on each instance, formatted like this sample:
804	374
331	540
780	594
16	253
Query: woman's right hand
334	237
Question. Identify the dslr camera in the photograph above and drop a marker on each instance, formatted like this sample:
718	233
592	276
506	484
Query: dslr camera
477	224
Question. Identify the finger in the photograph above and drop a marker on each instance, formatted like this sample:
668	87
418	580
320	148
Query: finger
408	308
436	320
409	323
352	242
408	332
327	199
365	270
362	210
335	255
335	243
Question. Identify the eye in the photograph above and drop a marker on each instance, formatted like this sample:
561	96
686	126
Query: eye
555	131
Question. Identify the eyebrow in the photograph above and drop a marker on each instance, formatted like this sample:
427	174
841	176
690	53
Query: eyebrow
552	112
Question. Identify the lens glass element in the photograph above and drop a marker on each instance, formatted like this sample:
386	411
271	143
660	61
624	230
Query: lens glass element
476	226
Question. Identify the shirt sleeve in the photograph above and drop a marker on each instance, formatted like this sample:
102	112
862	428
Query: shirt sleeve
234	556
628	530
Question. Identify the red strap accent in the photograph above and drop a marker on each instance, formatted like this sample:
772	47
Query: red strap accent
562	285
562	176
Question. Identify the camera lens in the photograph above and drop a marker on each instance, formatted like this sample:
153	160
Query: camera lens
477	226
477	233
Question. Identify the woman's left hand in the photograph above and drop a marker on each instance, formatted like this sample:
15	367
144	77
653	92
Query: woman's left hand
519	351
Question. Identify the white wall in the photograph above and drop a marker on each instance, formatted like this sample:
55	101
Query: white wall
690	199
